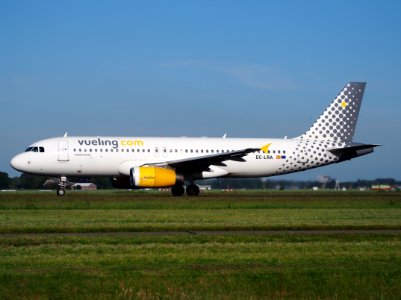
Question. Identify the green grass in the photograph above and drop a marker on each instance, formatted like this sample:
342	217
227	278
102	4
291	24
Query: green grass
47	265
202	267
207	200
19	221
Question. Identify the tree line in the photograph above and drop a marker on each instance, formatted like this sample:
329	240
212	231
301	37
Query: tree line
28	182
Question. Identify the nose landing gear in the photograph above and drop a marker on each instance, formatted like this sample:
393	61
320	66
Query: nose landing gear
62	185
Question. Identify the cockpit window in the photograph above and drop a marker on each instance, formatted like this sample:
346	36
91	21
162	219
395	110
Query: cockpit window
35	149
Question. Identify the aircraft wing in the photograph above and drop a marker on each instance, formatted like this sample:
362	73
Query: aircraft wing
202	163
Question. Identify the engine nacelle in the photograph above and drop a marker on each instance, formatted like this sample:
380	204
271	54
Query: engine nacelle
153	177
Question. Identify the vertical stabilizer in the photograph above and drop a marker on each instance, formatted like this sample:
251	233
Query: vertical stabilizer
337	123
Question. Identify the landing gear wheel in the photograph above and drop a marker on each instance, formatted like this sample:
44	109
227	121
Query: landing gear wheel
177	190
192	190
61	192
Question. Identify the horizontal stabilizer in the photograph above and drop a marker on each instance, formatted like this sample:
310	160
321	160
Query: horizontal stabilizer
354	150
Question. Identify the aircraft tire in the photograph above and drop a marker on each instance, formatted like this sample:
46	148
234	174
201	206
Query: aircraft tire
61	192
177	190
192	190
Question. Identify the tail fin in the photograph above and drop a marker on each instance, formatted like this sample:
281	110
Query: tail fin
337	123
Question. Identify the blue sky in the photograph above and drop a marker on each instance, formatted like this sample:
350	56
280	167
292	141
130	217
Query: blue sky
199	68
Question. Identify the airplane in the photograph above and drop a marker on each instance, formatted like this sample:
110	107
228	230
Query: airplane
154	162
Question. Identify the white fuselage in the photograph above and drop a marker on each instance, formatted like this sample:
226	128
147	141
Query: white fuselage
115	156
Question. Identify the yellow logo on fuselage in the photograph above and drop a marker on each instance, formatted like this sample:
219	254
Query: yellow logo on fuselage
265	148
131	143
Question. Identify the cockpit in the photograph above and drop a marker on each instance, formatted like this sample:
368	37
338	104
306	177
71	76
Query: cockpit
35	149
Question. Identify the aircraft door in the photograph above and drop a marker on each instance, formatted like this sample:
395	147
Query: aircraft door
63	150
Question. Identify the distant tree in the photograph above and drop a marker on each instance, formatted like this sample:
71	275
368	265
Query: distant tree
15	182
102	183
31	182
4	181
390	181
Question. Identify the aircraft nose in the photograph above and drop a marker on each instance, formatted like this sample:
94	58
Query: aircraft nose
17	163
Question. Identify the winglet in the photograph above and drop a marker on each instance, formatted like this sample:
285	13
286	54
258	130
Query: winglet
265	148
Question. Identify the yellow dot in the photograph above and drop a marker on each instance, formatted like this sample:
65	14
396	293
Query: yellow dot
344	104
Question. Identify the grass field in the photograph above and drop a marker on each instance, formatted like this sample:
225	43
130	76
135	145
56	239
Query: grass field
148	245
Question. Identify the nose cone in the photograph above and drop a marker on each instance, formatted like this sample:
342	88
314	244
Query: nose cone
17	163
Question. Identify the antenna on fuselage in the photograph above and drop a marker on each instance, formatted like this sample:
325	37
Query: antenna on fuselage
225	135
66	134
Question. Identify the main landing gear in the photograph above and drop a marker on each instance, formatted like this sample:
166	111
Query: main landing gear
192	190
178	190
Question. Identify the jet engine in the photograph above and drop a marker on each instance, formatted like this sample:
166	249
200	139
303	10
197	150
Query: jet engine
151	177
